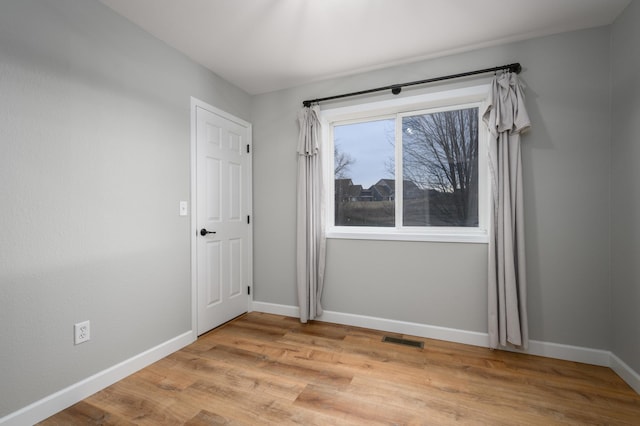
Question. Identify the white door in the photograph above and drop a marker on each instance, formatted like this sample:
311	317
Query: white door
223	200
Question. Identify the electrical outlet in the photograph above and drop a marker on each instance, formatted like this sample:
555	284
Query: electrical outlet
82	332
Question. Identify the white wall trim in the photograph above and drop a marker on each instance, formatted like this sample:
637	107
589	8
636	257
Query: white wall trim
275	309
625	372
66	397
411	328
567	352
547	349
193	226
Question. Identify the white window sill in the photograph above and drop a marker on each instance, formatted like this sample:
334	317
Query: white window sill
444	236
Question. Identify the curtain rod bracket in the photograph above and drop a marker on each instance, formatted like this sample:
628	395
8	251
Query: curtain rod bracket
516	68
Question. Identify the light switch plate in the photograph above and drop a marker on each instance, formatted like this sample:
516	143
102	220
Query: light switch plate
184	210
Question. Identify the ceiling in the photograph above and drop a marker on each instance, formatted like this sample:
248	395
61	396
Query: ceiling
267	45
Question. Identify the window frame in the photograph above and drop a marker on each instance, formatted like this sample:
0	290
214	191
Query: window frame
443	100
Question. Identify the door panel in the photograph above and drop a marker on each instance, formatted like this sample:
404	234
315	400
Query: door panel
235	267
213	192
211	281
235	192
223	176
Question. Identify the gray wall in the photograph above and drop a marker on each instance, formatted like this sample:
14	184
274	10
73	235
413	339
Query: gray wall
625	187
566	166
94	158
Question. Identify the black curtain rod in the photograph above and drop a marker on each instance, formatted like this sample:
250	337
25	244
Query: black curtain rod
397	88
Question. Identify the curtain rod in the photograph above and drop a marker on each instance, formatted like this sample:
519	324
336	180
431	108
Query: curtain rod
397	88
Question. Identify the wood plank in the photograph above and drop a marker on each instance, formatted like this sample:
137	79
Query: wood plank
251	407
251	380
345	407
248	359
207	418
84	413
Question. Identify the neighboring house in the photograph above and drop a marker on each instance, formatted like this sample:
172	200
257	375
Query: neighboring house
345	190
342	189
355	193
365	194
383	190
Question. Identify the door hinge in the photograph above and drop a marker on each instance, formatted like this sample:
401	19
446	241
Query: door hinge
247	148
248	289
248	219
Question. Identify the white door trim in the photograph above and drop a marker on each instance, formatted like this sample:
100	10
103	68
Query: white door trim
193	228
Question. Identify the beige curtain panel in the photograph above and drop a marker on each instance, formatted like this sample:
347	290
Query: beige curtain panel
506	118
310	237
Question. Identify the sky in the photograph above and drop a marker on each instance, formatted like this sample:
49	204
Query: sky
370	144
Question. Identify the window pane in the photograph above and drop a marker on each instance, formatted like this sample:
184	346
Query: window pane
440	168
364	173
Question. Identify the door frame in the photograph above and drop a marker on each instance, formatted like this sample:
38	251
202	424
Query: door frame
193	227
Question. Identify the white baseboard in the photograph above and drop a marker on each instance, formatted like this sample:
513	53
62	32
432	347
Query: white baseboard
64	398
275	309
550	350
625	372
410	328
392	326
568	353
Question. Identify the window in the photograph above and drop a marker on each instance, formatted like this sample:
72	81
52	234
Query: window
411	168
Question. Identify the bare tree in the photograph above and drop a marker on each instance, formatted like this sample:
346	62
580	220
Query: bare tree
342	162
440	155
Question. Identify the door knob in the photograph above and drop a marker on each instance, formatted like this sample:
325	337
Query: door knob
204	232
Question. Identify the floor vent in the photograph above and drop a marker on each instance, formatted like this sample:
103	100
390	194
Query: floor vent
406	342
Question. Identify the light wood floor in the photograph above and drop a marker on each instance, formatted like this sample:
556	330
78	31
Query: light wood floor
268	369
